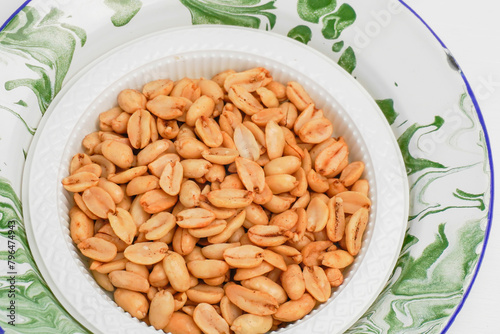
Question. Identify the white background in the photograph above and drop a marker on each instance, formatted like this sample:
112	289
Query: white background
471	30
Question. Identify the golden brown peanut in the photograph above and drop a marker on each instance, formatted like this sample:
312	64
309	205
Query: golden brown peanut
216	251
132	302
317	182
158	87
335	187
281	183
267	236
80	181
158	226
209	131
361	186
114	190
230	198
251	174
139	269
119	124
90	143
127	175
295	309
338	259
355	229
207	268
181	323
229	311
161	309
107	167
257	132
246	256
215	174
264	197
221	155
250	80
103	281
268	97
245	143
203	293
251	301
211	89
278	89
183	242
196	254
156	167
311	252
195	168
209	321
171	178
186	88
316	130
151	152
297	95
264	284
90	168
176	271
334	276
158	278
118	153
157	200
275	140
98	249
317	215
168	129
146	253
128	280
283	165
139	128
256	214
203	106
292	281
214	228
168	107
287	251
290	115
331	157
265	116
98	201
335	226
248	273
131	100
252	324
81	227
274	259
287	219
189	194
278	204
107	117
123	225
317	283
195	218
351	173
353	201
107	233
142	184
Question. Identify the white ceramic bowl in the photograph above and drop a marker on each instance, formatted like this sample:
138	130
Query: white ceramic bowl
196	52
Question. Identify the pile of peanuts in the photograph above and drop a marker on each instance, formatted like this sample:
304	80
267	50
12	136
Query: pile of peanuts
218	205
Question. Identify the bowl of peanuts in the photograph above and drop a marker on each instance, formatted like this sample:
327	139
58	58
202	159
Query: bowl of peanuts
187	183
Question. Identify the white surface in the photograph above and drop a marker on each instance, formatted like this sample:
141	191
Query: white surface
471	30
342	98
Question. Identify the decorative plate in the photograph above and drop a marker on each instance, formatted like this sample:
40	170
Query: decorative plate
412	76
